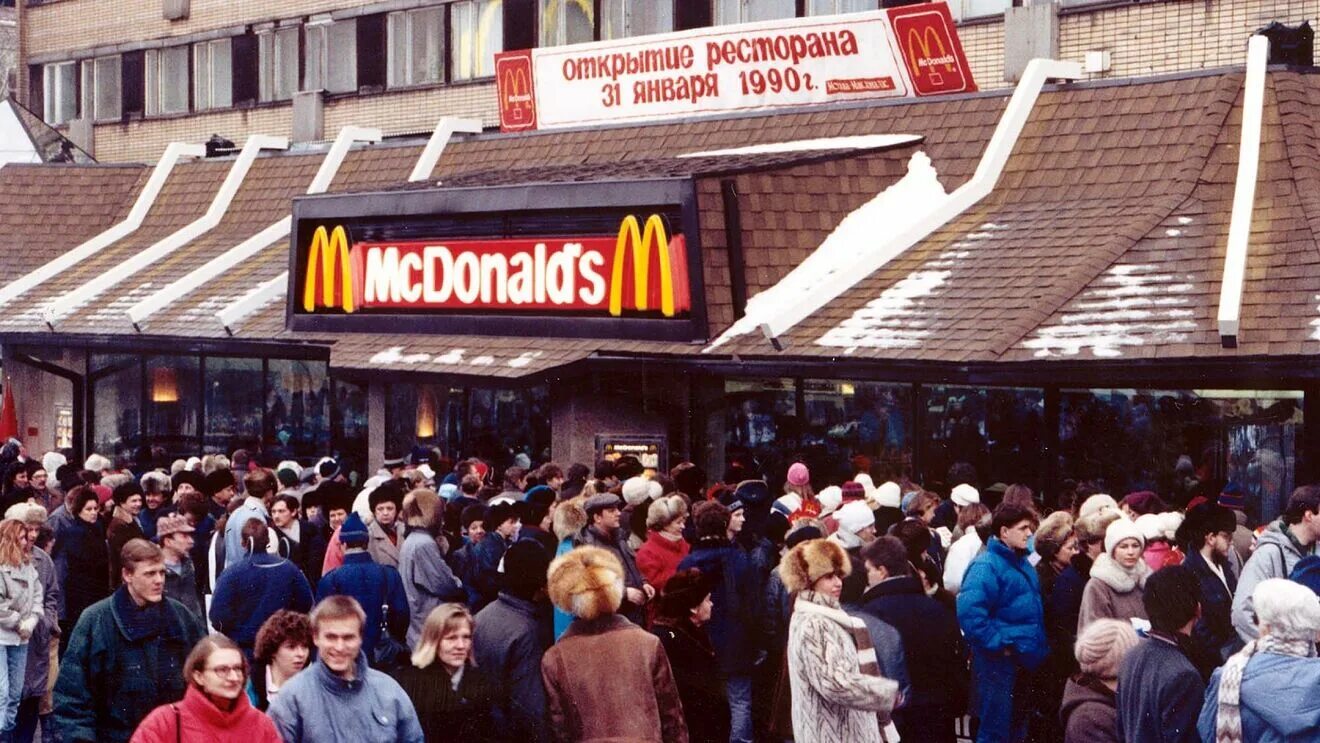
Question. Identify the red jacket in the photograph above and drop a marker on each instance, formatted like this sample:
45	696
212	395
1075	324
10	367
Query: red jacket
658	558
203	721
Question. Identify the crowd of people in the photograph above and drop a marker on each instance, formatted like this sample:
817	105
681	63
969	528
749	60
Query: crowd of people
216	598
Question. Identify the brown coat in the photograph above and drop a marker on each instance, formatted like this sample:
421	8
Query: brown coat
1113	593
608	679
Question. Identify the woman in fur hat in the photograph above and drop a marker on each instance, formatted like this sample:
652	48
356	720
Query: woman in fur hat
838	691
606	678
1118	577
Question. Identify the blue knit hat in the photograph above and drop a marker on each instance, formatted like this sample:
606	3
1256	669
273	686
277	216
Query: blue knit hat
1307	572
353	530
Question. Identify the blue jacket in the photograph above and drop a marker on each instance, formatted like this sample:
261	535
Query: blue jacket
999	607
373	586
1278	703
483	569
251	590
735	617
317	706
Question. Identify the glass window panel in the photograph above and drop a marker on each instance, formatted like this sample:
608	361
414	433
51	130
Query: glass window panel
761	423
746	11
222	74
116	403
622	18
107	88
87	102
341	57
233	404
297	409
478	34
60	83
846	419
567	22
266	66
396	65
501	424
172	404
831	7
996	430
349	424
286	63
173	78
314	57
201	76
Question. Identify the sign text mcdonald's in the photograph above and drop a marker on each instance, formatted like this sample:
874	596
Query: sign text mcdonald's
904	51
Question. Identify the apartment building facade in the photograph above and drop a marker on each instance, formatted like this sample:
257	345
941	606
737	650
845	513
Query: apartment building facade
123	78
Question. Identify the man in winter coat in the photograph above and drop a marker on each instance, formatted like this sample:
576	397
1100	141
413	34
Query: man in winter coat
255	587
1207	536
1278	549
125	655
1159	688
339	699
735	612
1000	611
932	643
603	529
509	639
259	485
376	588
176	543
483	577
427	580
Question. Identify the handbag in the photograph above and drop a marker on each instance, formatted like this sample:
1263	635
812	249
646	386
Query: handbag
389	653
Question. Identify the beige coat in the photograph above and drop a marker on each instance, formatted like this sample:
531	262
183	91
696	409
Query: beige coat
381	549
1113	593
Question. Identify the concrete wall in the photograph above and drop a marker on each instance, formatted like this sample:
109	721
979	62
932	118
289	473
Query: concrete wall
641	403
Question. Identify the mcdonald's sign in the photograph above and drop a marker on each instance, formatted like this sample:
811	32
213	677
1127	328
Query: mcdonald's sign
329	277
516	91
931	50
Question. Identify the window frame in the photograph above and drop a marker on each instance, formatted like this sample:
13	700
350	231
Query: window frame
155	82
492	14
53	90
271	55
91	73
404	23
204	68
319	60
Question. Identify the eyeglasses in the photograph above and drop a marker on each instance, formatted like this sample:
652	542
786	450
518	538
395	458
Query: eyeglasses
228	671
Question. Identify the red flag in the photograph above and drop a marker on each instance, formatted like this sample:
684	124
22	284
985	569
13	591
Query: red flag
8	414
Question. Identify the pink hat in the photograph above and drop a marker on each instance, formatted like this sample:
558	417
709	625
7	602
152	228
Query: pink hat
798	474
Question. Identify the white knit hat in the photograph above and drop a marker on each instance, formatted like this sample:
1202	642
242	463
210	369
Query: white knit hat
1101	647
830	498
867	484
1096	504
636	490
1120	530
1150	526
51	461
855	517
888	495
1169	522
965	495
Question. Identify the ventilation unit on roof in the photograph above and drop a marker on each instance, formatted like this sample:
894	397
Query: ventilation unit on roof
175	10
1291	45
218	146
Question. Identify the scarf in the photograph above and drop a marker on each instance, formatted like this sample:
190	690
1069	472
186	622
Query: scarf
810	602
1228	721
1107	570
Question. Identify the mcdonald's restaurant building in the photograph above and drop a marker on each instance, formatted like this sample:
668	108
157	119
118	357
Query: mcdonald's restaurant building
1053	287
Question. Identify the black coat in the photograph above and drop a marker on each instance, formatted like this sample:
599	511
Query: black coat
449	715
1213	635
82	546
309	552
692	659
932	644
1062	607
735	615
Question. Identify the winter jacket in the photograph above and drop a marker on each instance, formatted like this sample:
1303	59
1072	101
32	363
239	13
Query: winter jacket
87	580
483	569
197	718
932	644
235	550
854	583
449	714
1214	633
118	534
181	585
832	700
1159	692
37	673
427	580
251	590
608	679
562	619
632	577
21	602
692	659
1277	552
999	607
307	551
1159	554
114	673
382	550
960	558
777	609
318	706
1112	592
1088	713
1278	701
510	638
374	586
659	557
734	614
1063	606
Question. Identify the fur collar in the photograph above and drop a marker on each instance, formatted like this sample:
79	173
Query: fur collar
1107	570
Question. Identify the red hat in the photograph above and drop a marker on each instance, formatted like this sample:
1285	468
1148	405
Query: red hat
852	491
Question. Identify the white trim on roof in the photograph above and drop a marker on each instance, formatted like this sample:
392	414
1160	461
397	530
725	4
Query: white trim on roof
276	231
824	144
1244	193
435	147
62	306
262	295
173	153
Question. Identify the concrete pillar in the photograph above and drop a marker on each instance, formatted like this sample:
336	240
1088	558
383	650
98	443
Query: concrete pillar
375	426
308	117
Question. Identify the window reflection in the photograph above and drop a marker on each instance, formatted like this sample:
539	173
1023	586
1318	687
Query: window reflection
116	403
996	430
847	419
349	423
761	424
233	404
297	409
172	404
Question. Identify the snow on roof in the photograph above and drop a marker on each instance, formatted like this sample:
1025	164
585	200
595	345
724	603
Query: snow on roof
892	320
863	142
16	145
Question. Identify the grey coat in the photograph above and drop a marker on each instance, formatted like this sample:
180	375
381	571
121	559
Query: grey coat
427	580
510	637
317	706
181	585
37	672
20	600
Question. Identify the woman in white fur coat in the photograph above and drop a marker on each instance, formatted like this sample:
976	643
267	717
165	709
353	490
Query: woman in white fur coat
1118	578
838	692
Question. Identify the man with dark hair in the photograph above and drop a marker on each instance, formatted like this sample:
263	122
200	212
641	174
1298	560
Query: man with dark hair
604	530
125	655
254	586
1278	550
515	481
604	475
1159	689
1207	537
260	486
372	585
220	487
510	636
932	643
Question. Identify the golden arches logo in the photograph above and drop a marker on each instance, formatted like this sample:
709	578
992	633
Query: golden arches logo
517	88
925	40
637	242
329	249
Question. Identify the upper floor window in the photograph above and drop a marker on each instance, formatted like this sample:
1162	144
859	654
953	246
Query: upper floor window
832	7
101	77
961	9
331	56
416	47
213	78
60	92
277	60
623	18
476	34
746	11
167	80
568	21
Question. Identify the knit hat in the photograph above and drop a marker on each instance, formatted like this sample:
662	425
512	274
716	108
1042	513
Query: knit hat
1120	530
1169	522
525	563
216	481
965	495
473	512
851	491
1144	501
353	531
597	503
52	461
394	462
753	493
684	592
868	485
541	495
888	495
1150	527
1307	573
97	463
854	517
1101	647
636	490
172	523
448	491
798	474
587	582
830	499
1096	504
1233	498
810	561
730	500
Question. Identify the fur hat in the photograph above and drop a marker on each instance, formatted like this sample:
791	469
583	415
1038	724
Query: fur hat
123	492
1150	527
51	461
888	495
636	490
524	567
665	511
1101	647
420	508
29	513
1096	504
498	514
810	561
216	481
390	491
683	592
172	523
805	530
855	517
798	474
711	519
830	499
97	463
569	519
965	495
587	583
1120	530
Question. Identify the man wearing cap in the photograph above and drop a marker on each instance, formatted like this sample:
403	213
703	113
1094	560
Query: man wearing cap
603	530
176	543
385	529
483	565
376	587
509	638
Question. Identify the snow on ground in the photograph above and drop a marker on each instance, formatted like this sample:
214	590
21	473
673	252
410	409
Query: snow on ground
863	142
